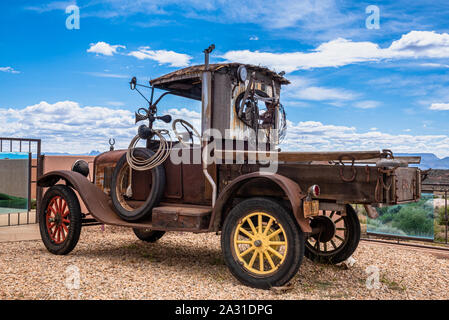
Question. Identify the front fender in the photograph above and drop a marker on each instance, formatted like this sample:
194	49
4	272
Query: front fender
95	200
290	188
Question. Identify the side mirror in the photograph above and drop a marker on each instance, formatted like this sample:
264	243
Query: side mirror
133	83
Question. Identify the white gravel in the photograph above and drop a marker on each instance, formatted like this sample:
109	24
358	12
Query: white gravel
114	264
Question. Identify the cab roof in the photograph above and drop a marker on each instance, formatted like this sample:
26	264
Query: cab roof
187	82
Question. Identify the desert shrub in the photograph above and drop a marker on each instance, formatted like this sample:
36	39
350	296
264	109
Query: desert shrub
441	216
378	227
414	220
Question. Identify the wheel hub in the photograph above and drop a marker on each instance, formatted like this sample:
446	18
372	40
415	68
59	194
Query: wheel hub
326	226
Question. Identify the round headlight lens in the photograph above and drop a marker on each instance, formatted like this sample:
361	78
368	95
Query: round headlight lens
242	73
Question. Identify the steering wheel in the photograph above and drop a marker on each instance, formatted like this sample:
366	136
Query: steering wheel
191	131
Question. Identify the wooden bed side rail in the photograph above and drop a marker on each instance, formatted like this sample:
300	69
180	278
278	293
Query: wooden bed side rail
299	156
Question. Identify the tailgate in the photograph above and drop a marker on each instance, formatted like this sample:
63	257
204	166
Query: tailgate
405	185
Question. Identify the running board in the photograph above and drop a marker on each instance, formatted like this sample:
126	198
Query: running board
181	217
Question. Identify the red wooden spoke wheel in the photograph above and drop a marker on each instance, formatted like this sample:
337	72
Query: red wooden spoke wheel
58	219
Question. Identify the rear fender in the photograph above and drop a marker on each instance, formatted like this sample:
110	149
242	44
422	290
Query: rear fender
290	188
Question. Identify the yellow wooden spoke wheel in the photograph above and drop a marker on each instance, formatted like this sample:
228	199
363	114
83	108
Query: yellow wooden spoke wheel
260	243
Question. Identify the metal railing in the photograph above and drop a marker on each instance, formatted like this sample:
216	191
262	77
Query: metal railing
33	147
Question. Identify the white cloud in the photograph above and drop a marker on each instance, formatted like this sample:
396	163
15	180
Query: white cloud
51	6
107	75
275	14
316	136
367	104
439	106
434	65
115	103
341	52
304	89
254	38
67	127
172	58
104	48
9	70
320	94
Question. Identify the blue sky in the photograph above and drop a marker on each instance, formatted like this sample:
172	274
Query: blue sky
353	88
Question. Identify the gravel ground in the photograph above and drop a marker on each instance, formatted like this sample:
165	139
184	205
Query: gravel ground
115	265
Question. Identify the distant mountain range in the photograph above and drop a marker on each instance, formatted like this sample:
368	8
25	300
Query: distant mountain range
92	153
428	160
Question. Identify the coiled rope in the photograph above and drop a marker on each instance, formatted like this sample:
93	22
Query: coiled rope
162	153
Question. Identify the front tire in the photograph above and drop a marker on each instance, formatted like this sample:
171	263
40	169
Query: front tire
262	244
60	220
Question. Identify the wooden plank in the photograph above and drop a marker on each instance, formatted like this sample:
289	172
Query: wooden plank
297	156
409	160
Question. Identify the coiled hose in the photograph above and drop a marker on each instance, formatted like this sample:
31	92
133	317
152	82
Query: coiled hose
165	147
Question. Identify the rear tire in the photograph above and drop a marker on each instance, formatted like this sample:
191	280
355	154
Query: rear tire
148	235
246	239
60	219
340	250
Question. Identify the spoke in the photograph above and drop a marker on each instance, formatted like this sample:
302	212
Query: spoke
325	246
259	218
277	243
333	244
244	253
52	210
280	256
317	245
244	242
64	206
249	235
270	261
340	228
253	228
65	214
51	225
53	233
61	234
253	258
340	238
270	222
65	228
58	232
57	204
338	220
261	261
66	221
332	214
274	233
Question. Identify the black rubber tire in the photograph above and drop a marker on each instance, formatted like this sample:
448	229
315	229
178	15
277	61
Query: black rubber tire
148	235
353	225
74	228
294	235
155	195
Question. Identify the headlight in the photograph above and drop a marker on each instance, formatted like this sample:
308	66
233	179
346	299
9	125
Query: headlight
81	166
242	73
